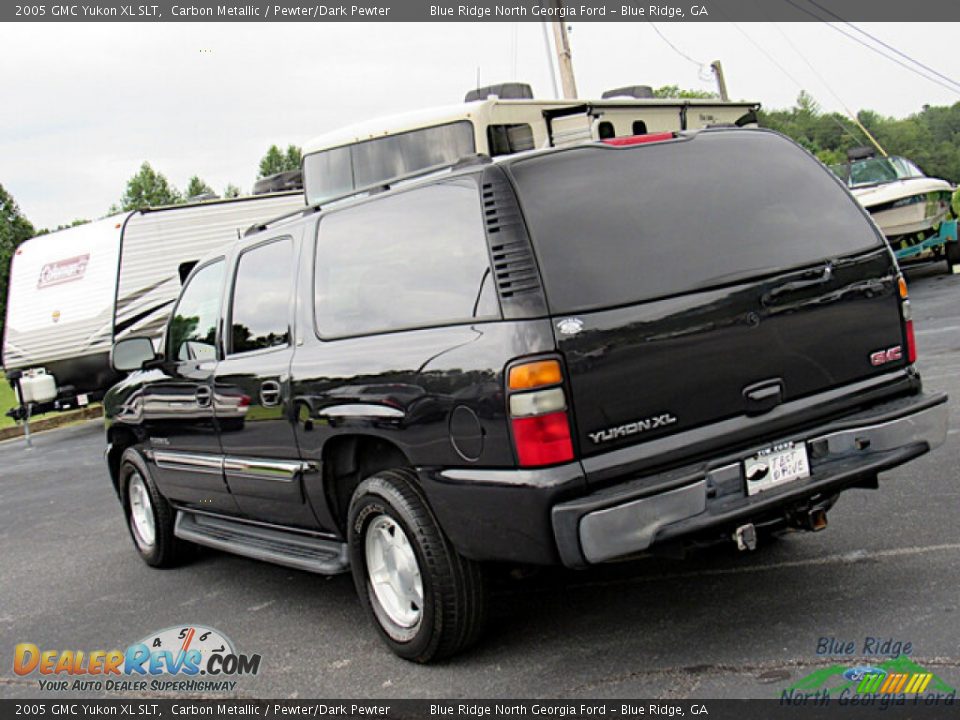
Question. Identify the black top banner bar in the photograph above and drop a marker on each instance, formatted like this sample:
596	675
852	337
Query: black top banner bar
482	11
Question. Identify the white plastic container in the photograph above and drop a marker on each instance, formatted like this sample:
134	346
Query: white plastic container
37	386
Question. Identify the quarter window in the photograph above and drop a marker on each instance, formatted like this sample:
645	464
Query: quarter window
193	327
416	259
259	317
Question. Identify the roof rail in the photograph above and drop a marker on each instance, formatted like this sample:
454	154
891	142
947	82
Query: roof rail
372	189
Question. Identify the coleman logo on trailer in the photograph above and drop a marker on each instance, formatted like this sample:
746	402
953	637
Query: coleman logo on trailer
63	271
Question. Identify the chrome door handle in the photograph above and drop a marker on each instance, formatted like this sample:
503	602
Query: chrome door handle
269	393
203	395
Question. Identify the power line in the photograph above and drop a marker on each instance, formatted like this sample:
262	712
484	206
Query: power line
871	47
673	47
791	76
885	44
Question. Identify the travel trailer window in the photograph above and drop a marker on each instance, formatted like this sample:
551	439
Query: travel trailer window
193	327
259	316
509	139
330	173
416	259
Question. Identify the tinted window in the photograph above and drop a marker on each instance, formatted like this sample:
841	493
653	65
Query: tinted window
508	139
261	297
639	127
330	173
193	327
415	259
605	130
617	225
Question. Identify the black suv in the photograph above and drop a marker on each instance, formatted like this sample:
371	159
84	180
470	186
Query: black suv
562	357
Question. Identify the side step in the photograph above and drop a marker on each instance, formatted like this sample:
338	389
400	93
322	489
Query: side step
303	552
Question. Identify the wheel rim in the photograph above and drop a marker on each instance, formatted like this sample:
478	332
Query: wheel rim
393	571
141	512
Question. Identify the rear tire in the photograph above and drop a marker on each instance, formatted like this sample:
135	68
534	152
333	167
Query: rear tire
427	601
149	516
952	251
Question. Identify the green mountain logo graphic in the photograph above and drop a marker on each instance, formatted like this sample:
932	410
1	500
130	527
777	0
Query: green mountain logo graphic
832	679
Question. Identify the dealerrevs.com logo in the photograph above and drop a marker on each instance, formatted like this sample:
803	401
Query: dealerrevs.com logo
183	658
63	271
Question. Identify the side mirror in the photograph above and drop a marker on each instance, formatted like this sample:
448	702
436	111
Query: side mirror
131	353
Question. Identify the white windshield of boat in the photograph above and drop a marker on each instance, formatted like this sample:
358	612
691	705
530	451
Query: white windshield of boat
874	171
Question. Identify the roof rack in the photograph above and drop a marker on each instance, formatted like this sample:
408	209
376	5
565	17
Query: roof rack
372	189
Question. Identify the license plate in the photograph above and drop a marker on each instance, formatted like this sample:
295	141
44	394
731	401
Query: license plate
83	400
776	466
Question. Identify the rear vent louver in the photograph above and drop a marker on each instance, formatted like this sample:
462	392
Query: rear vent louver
514	268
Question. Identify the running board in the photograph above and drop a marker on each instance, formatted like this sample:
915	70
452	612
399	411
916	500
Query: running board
303	552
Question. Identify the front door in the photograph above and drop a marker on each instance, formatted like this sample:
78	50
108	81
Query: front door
252	388
178	400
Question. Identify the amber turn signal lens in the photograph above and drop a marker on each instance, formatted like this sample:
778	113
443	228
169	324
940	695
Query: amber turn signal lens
535	374
902	286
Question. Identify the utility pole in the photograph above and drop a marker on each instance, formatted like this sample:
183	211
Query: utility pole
721	81
564	56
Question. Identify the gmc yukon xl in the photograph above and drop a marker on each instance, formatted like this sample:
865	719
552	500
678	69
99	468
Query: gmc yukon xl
567	356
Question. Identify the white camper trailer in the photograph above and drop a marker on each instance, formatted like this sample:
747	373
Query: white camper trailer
496	120
75	291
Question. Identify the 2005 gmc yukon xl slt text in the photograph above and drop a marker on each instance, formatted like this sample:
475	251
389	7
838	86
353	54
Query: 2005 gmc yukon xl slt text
562	357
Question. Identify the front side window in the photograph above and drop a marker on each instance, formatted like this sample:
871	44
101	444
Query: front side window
332	173
193	327
260	311
416	259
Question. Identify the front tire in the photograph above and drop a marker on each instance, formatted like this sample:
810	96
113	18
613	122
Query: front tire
149	516
427	601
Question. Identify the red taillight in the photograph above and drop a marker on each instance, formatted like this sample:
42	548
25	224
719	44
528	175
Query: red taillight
911	344
639	139
543	440
907	314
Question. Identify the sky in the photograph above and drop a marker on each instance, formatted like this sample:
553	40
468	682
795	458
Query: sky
84	104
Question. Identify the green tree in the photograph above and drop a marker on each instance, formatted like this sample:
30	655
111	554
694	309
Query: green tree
674	91
74	223
231	191
14	229
196	187
148	188
277	160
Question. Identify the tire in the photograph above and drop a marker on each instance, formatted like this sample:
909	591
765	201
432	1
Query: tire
149	516
391	526
952	251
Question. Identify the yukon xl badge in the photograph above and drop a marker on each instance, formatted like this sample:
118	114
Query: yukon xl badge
633	428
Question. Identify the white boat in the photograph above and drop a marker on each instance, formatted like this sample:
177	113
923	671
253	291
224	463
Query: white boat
899	197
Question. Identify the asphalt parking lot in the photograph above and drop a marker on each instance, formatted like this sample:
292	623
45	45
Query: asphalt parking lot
719	624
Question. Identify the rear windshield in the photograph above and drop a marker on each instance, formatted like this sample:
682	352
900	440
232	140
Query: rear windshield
616	226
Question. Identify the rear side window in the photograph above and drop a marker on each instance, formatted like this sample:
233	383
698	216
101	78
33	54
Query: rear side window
613	226
259	315
193	325
416	259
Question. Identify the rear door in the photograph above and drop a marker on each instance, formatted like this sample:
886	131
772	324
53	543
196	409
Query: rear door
261	460
704	278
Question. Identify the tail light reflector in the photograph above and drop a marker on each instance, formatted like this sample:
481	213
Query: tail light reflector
907	313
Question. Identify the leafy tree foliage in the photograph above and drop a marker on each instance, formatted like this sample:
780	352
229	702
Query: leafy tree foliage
674	91
14	229
277	160
74	223
148	188
231	191
196	187
931	138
